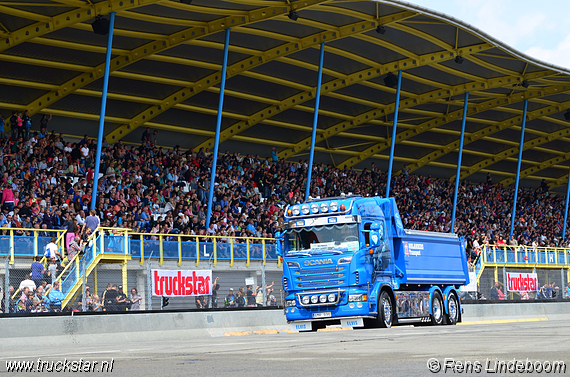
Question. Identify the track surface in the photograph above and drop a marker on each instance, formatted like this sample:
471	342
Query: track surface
401	351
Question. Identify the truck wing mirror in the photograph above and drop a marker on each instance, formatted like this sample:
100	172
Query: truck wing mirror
374	238
375	226
278	243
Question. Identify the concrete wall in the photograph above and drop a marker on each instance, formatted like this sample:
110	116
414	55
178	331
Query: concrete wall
144	327
481	312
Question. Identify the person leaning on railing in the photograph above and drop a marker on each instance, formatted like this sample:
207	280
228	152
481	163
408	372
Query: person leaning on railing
55	297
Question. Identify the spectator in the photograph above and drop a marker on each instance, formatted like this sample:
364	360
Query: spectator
96	304
271	300
52	250
28	283
14	125
230	301
259	293
496	292
214	296
44	122
52	270
73	249
55	297
20	125
135	300
88	302
121	299
109	299
552	290
8	199
92	221
37	271
27	125
40	296
240	298
200	302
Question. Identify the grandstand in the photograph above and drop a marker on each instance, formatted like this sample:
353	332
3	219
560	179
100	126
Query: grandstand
160	128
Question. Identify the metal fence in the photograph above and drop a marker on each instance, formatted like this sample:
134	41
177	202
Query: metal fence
117	256
495	262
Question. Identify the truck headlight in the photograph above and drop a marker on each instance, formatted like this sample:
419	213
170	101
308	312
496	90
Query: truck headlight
334	206
332	297
314	299
305	300
305	209
353	298
322	299
290	303
324	207
314	208
296	210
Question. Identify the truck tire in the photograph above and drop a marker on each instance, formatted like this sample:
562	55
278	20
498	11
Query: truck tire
436	309
452	316
385	310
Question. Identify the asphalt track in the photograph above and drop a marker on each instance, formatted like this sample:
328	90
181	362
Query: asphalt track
400	351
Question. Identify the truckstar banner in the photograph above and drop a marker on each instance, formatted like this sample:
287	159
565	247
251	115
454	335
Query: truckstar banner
517	282
181	283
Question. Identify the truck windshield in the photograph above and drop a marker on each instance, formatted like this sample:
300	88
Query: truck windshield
320	239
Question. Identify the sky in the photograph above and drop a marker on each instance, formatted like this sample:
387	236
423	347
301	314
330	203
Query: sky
536	28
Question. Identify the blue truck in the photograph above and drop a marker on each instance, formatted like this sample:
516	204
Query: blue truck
349	259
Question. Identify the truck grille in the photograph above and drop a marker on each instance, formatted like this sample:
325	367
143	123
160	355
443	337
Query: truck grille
315	284
320	277
321	270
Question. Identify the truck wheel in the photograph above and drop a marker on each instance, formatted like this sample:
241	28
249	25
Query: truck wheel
436	309
452	316
385	310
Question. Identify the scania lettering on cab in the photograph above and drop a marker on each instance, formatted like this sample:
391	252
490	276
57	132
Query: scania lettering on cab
349	259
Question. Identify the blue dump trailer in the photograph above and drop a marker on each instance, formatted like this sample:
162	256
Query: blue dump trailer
350	260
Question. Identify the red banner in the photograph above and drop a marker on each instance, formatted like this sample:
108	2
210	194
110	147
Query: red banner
522	282
181	283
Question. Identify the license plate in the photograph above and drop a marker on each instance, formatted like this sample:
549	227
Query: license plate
355	322
322	315
301	326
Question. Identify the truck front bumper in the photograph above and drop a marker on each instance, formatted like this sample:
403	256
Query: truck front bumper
327	313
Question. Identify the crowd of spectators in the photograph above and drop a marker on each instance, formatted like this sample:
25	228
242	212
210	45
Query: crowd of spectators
43	296
47	183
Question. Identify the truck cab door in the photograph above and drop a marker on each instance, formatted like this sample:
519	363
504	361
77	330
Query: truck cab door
377	239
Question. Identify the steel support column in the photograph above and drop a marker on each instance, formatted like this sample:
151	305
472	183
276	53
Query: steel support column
518	168
103	107
393	140
315	119
566	210
218	128
458	174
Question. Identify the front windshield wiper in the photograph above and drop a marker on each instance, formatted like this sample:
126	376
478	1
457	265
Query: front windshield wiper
297	253
331	251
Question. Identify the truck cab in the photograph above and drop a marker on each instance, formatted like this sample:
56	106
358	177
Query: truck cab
349	260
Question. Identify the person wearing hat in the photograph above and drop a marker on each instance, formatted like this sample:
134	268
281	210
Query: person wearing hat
230	301
121	300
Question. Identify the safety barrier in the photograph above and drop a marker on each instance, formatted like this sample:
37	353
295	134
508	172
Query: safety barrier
550	263
28	242
94	329
191	247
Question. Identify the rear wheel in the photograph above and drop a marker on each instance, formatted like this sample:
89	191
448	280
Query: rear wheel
452	316
436	309
385	310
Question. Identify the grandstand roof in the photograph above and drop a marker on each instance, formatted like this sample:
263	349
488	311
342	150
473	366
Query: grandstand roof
166	70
